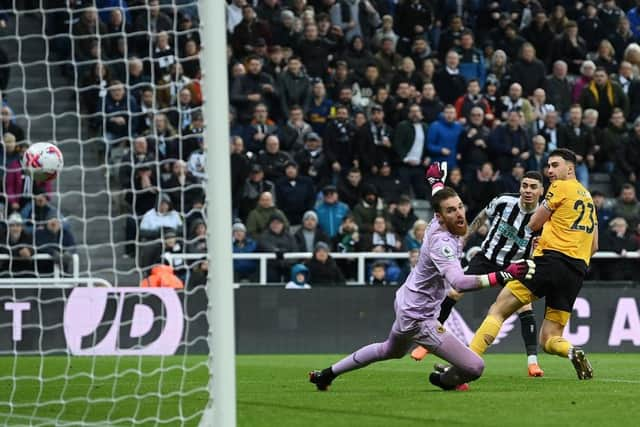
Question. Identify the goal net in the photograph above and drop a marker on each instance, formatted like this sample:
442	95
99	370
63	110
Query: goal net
103	304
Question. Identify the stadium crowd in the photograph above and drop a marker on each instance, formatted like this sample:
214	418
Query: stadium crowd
337	106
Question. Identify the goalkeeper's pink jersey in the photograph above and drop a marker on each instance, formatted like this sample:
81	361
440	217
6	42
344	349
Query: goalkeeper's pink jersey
438	266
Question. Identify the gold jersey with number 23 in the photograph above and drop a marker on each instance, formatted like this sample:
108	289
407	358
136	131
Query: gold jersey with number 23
572	223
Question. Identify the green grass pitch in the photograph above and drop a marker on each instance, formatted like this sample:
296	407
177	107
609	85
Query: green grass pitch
273	391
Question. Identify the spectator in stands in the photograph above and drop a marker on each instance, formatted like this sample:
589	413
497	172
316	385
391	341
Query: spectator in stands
313	161
234	14
259	217
358	57
473	144
443	137
386	31
578	138
485	188
414	237
380	238
611	144
252	88
628	158
164	57
180	115
93	86
294	86
511	42
388	183
295	194
309	234
12	176
272	158
319	107
620	240
8	126
299	277
249	31
537	161
165	141
627	205
606	57
514	102
368	208
430	103
190	59
182	187
388	61
350	187
119	111
569	47
87	31
338	142
510	183
197	237
630	86
35	213
587	70
261	125
603	95
323	270
152	22
414	255
449	82
18	244
539	33
454	180
558	88
604	213
508	142
315	51
276	238
499	66
240	168
410	144
331	211
252	188
473	98
56	241
403	218
406	74
243	269
292	133
374	139
622	37
471	59
540	109
378	274
163	216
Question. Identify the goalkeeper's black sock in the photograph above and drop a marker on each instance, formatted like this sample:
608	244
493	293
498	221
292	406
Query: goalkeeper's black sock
445	309
328	373
529	332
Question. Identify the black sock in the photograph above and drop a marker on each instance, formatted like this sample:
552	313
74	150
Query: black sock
529	332
328	373
445	308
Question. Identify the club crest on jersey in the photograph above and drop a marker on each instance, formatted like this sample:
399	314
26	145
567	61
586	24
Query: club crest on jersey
448	253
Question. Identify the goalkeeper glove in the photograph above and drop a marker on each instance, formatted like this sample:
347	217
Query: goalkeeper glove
522	269
436	175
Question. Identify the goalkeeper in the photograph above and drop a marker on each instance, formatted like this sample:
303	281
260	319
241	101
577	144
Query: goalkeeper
418	300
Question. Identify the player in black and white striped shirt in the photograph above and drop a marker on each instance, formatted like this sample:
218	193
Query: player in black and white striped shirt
509	239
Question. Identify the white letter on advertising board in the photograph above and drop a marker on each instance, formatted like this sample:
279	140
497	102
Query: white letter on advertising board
17	308
626	323
581	336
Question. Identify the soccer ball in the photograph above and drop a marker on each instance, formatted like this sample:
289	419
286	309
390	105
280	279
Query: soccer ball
42	161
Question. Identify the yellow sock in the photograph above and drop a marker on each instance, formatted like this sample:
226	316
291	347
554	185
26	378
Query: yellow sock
485	335
557	345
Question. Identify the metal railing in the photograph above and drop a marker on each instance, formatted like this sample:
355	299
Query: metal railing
75	263
360	257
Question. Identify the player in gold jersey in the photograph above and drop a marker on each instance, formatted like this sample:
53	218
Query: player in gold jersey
569	237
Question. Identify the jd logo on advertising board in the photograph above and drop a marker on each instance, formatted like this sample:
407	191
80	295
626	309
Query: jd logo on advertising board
123	321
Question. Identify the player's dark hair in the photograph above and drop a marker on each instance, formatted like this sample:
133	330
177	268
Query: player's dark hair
533	175
441	196
565	154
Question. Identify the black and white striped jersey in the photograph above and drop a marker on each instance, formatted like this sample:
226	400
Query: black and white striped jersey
509	238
